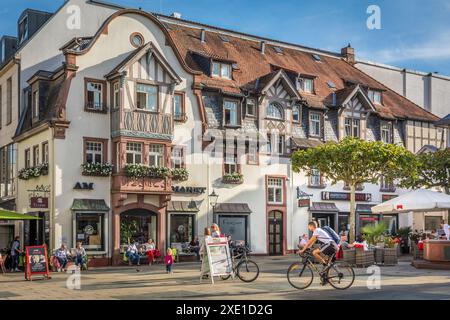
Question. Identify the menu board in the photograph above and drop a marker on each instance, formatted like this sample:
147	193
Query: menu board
216	258
36	261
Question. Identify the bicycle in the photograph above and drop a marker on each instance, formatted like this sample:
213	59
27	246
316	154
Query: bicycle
300	275
246	269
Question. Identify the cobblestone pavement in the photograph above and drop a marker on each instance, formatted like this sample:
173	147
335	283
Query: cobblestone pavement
399	282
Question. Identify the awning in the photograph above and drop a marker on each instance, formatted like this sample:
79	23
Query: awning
182	206
12	215
232	208
324	207
364	208
89	205
302	143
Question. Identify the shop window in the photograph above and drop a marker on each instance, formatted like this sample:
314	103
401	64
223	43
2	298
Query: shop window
147	97
181	228
95	95
352	127
134	153
432	222
143	225
275	190
315	124
156	155
89	229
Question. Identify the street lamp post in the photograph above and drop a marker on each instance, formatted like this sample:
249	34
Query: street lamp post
213	202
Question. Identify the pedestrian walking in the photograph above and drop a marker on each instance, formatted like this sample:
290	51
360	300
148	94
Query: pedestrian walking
15	254
169	261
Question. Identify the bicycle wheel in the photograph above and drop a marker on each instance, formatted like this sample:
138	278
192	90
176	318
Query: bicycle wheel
300	275
247	270
340	277
225	277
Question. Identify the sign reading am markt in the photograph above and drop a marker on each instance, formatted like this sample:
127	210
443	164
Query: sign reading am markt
345	196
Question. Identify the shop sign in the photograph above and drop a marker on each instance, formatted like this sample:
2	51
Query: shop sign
304	202
345	196
191	190
39	202
217	260
387	197
84	186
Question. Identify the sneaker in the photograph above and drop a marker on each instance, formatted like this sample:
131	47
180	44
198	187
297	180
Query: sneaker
16	270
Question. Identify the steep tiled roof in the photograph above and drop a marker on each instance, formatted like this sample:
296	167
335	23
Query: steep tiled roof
253	65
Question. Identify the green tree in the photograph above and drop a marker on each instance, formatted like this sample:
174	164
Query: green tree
433	171
354	162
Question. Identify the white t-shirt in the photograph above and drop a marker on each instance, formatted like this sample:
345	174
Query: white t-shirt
322	236
447	231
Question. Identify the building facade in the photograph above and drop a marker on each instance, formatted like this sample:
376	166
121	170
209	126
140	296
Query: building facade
126	138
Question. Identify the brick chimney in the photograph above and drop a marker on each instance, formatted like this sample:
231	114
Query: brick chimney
348	53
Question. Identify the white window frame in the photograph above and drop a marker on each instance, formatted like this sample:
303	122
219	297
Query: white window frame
221	70
36	104
97	89
274	184
116	95
232	107
315	178
352	124
375	96
135	149
275	106
36	155
386	132
156	155
306	84
147	94
296	107
45	152
250	102
315	124
94	148
178	157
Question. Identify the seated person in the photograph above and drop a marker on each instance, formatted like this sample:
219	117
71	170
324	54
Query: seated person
133	253
195	246
150	248
359	243
328	247
61	255
303	241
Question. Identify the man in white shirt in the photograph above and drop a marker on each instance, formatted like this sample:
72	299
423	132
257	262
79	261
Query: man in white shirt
446	228
328	246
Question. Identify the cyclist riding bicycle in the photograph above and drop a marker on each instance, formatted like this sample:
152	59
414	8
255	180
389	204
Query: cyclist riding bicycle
328	245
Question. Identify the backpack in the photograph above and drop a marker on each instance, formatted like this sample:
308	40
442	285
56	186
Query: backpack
332	234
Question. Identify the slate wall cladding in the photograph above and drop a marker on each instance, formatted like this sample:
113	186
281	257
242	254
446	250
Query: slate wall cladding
331	126
373	128
399	132
213	108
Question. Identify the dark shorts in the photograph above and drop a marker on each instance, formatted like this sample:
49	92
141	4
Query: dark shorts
328	249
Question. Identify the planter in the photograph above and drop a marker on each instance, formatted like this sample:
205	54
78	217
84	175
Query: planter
365	258
379	255
235	178
349	256
96	169
417	254
390	256
180	174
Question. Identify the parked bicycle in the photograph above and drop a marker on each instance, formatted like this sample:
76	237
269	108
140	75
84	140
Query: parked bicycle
301	274
244	268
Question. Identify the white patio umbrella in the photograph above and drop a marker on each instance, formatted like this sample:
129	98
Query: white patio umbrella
422	200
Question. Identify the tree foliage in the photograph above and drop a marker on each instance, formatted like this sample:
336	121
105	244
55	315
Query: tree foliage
433	171
355	161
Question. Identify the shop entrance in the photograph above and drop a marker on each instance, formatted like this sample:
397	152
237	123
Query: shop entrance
6	237
138	225
34	230
325	219
275	233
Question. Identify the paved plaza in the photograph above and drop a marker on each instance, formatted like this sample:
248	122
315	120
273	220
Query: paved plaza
124	283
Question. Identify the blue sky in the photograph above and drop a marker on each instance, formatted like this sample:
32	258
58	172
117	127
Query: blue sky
414	34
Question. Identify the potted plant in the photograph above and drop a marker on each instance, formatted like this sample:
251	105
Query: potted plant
390	252
374	236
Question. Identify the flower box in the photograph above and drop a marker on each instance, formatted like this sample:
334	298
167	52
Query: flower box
33	172
179	174
97	169
139	171
233	178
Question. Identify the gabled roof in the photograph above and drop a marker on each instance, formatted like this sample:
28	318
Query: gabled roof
445	121
137	54
254	65
357	91
269	80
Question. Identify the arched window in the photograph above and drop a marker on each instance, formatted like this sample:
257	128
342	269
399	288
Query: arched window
275	111
295	114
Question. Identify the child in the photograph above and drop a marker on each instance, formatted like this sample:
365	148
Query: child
169	260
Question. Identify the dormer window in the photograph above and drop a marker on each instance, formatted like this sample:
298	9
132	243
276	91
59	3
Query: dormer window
306	84
374	96
23	29
221	70
35	104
